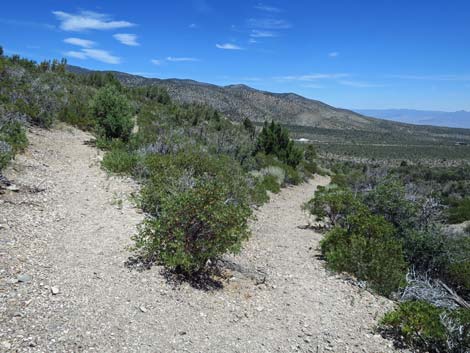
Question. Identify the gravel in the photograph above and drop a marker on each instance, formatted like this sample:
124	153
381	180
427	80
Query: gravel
71	239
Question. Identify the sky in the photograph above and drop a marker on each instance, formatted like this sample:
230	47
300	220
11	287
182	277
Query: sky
354	54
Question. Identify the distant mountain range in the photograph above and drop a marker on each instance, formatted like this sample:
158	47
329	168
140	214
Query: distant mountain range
459	119
305	117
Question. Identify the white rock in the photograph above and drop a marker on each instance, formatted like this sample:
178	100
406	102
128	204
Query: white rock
55	290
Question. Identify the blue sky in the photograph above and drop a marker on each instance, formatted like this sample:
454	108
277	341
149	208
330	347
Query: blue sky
348	53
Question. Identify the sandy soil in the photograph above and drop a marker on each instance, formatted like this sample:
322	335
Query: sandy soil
65	234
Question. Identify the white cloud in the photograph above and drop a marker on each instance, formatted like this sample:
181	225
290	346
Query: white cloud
96	54
228	46
268	23
156	62
180	59
312	77
85	43
333	54
267	8
360	84
193	26
252	41
88	20
127	39
76	54
256	33
102	55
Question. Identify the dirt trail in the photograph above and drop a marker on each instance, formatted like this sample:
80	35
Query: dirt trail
73	236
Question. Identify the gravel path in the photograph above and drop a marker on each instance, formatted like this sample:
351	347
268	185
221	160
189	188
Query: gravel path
64	236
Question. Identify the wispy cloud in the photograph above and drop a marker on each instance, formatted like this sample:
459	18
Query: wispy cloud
359	84
156	62
180	59
256	33
85	43
268	23
96	54
333	54
30	24
432	77
267	8
127	39
312	77
228	46
88	20
193	26
76	54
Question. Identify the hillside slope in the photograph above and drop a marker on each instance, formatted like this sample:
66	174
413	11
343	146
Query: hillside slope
305	117
240	101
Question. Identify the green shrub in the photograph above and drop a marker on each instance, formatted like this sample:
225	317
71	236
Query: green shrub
277	173
274	139
460	211
258	194
366	247
423	326
466	229
12	140
199	207
271	183
424	249
457	264
112	112
418	323
334	203
14	134
6	154
389	200
120	161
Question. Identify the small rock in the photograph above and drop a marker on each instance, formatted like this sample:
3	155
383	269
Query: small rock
55	290
24	278
143	309
13	188
6	345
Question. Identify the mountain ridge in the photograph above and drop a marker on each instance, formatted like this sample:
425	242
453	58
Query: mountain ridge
307	118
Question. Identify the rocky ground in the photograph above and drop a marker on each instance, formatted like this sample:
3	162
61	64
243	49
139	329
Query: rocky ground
65	286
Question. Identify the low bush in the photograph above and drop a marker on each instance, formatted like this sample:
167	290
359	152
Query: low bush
120	161
12	140
275	172
466	229
425	249
334	203
271	183
112	112
366	247
457	264
389	199
460	211
421	325
199	208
